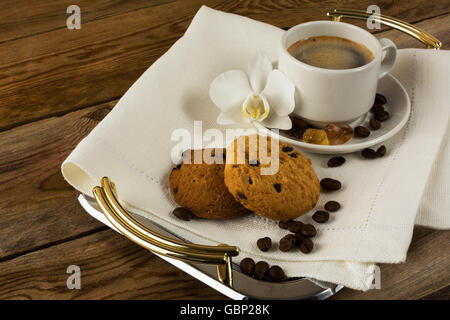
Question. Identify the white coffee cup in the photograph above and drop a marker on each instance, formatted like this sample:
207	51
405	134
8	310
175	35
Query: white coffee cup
327	95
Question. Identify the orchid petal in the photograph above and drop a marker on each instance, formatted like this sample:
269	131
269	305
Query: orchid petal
233	116
275	121
229	89
279	91
258	71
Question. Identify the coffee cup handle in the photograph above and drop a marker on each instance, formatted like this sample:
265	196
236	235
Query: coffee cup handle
390	49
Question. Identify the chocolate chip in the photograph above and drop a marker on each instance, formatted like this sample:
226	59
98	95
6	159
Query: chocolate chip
336	161
250	181
276	274
308	231
321	216
306	246
381	151
330	184
264	244
261	268
175	190
183	213
369	153
293	155
241	195
375	124
247	266
253	163
294	226
382	115
277	187
362	132
287	149
380	99
287	243
178	167
283	224
332	206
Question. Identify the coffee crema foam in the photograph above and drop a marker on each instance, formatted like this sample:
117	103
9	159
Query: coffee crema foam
331	52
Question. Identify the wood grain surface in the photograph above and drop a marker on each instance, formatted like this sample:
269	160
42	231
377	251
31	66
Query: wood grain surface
57	84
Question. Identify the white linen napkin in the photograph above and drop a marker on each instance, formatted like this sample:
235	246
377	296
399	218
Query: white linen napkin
380	198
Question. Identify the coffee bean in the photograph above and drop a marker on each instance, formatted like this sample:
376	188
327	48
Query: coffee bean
377	108
321	216
247	266
241	195
336	161
330	184
382	115
261	268
276	274
332	206
375	124
287	149
264	244
381	151
287	242
380	99
253	163
306	246
299	123
369	153
283	224
362	132
295	132
294	226
277	187
308	231
299	237
183	213
293	155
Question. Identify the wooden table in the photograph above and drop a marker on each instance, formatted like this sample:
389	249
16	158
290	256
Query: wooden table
57	84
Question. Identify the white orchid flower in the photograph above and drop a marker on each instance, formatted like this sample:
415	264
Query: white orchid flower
265	95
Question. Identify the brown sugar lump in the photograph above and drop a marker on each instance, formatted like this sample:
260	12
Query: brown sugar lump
200	187
270	178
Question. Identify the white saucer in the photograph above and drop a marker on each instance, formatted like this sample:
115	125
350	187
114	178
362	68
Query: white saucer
398	106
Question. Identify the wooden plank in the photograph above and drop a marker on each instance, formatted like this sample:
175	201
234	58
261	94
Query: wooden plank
443	294
112	267
426	270
37	206
21	18
438	27
100	62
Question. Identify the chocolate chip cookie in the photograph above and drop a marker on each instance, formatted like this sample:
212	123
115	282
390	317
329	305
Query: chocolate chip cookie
200	186
279	184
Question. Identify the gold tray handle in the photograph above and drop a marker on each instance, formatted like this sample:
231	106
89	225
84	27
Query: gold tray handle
424	37
106	197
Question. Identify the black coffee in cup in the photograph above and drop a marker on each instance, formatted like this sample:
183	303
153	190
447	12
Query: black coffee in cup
331	52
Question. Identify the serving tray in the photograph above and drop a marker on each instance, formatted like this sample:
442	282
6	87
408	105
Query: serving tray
213	264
